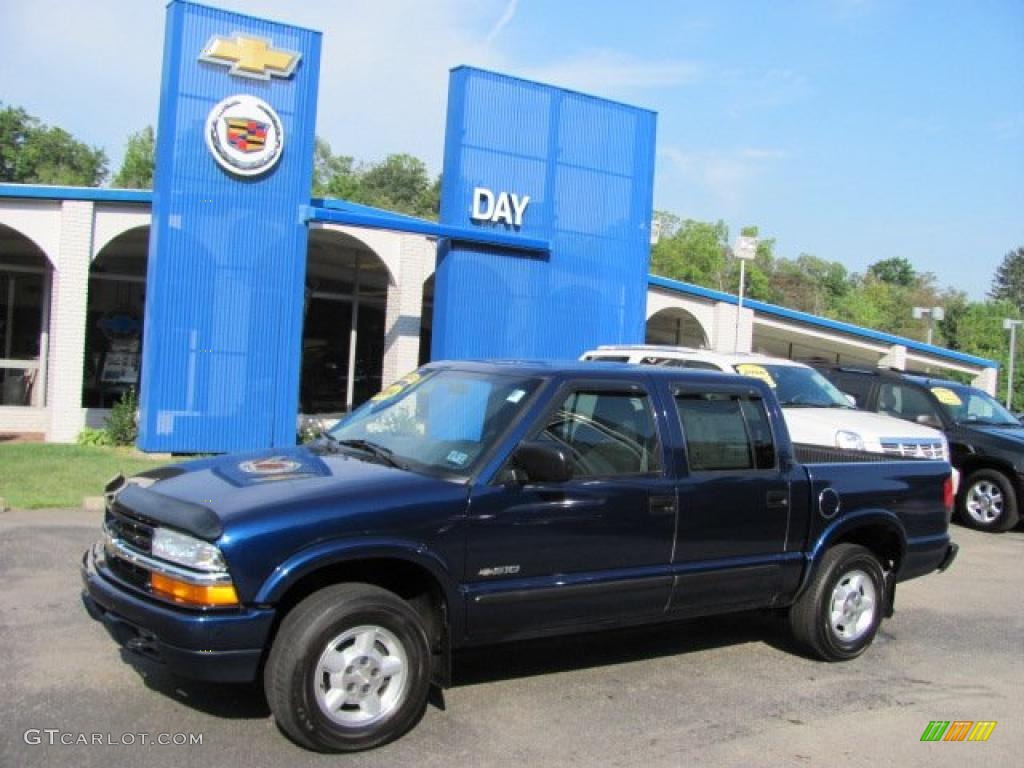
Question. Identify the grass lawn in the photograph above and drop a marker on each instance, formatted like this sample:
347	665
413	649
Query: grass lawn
34	475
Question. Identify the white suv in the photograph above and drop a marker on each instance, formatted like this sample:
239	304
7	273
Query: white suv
816	412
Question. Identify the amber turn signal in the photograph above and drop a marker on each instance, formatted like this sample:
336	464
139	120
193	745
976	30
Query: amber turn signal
193	594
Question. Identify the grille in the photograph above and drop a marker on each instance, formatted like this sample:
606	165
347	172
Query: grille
137	534
129	573
914	449
131	530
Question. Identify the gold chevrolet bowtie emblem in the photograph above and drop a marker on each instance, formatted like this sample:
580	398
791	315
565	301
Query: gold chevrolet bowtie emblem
252	57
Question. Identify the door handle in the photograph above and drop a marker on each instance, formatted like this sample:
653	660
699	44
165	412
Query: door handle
663	505
777	500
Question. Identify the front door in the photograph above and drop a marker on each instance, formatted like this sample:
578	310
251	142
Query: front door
592	550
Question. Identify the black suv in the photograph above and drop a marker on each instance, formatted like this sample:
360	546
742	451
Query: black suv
986	441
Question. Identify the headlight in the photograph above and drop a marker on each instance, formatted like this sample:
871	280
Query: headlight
849	441
186	550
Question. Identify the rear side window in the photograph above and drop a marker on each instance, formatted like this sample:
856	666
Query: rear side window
904	402
725	431
853	384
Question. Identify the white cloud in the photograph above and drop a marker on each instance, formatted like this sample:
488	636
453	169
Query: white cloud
726	175
613	72
383	78
507	15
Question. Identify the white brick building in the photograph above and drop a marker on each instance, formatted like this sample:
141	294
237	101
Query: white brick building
72	294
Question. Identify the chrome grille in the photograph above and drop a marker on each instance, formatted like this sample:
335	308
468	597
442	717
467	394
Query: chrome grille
914	449
129	529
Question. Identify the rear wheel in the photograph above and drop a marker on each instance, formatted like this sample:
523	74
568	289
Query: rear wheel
838	615
349	669
988	501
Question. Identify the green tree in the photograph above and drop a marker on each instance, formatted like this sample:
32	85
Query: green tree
333	175
895	271
1008	283
136	170
34	153
977	328
399	183
695	252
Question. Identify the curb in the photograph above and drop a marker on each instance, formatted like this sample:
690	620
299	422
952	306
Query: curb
94	504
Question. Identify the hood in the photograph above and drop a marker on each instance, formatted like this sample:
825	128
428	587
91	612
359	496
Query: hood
817	426
1009	437
240	487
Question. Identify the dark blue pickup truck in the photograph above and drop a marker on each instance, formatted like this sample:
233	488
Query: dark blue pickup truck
475	503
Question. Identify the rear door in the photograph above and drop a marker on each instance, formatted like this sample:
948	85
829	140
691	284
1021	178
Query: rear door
592	550
735	502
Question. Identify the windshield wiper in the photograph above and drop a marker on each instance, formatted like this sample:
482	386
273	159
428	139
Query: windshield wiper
386	455
987	423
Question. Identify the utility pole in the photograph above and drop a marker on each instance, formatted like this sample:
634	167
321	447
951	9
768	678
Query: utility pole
1011	326
745	250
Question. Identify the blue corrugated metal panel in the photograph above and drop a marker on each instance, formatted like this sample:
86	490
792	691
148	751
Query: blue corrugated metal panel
821	322
587	165
227	255
95	194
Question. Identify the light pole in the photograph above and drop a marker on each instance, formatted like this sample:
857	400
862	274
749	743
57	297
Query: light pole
745	250
934	315
1011	326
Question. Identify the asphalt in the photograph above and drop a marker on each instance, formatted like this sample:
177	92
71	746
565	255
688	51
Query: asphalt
720	692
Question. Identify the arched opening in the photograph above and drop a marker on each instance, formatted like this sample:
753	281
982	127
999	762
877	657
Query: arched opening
114	316
344	323
25	286
677	327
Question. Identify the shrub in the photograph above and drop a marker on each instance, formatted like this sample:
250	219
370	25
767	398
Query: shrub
122	423
90	436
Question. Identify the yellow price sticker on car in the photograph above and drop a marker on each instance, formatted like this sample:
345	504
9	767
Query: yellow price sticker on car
406	381
756	372
946	396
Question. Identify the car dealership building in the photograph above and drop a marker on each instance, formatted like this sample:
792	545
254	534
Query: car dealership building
234	302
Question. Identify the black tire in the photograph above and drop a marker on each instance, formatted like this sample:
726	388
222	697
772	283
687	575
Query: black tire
988	502
817	618
301	698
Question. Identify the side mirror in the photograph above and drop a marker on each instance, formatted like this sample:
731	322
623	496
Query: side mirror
543	462
929	420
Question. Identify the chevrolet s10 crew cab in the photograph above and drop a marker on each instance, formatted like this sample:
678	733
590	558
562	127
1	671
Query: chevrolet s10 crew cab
477	503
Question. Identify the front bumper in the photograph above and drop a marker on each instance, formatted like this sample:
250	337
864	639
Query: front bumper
218	646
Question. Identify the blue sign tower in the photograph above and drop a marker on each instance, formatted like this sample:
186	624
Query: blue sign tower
545	164
227	255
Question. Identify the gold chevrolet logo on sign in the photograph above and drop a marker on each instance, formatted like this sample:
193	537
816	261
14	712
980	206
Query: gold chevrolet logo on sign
252	57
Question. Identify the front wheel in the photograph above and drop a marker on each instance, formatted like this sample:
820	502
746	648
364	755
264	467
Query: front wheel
349	669
988	502
838	615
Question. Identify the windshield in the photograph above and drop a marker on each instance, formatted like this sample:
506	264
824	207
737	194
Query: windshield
967	405
796	386
437	422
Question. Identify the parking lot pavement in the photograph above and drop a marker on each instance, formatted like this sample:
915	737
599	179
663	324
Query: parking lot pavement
723	692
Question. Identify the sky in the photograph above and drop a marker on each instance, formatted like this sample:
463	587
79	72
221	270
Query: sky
854	130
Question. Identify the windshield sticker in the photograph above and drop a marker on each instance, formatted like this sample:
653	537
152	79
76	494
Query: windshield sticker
516	395
400	385
756	372
458	458
946	396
